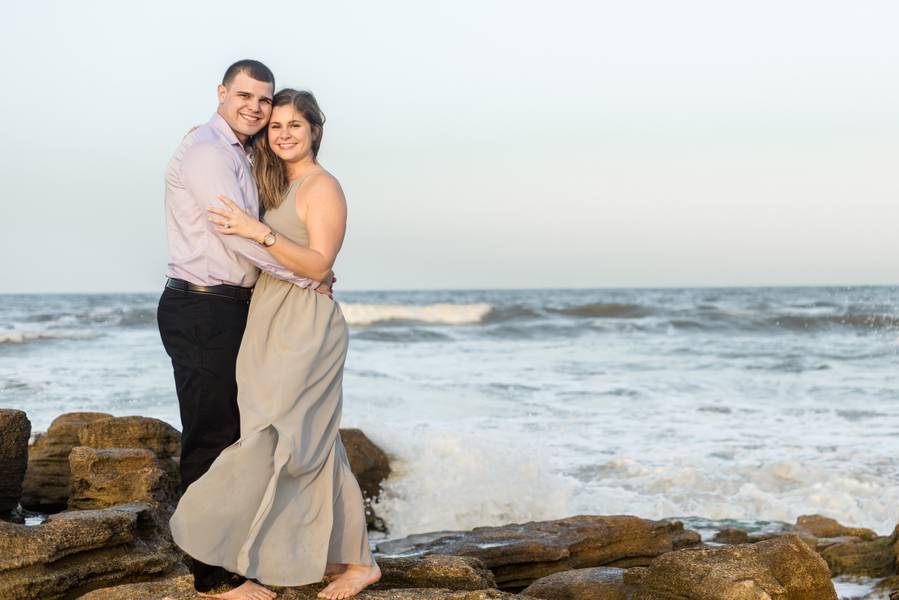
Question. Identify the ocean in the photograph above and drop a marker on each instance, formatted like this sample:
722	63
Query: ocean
747	405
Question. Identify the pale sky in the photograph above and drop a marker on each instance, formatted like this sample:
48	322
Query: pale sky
480	144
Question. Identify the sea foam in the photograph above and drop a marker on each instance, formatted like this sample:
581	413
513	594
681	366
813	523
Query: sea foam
443	314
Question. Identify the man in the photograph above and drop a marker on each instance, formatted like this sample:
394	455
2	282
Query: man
203	309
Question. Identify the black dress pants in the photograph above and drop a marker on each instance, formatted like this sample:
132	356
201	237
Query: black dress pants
201	333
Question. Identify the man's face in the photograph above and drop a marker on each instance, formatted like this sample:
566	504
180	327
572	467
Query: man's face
246	105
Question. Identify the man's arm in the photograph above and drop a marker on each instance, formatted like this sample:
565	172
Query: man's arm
206	172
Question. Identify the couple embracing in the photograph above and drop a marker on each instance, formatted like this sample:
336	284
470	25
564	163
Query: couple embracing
258	347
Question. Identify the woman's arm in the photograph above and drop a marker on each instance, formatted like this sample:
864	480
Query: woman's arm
325	218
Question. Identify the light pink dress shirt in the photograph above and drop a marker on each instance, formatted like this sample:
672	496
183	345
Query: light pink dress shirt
210	161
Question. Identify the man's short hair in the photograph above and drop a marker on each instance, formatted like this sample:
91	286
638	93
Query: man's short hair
253	68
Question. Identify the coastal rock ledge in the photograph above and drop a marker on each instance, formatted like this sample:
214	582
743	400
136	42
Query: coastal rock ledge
118	478
784	568
518	554
81	548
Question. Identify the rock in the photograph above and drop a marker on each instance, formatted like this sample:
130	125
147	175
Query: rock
805	535
890	585
606	583
46	485
823	527
828	542
368	462
80	549
181	588
518	554
133	432
15	429
784	568
731	535
875	558
442	573
635	575
435	571
370	466
104	478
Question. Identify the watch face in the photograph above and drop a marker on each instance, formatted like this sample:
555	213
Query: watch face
269	239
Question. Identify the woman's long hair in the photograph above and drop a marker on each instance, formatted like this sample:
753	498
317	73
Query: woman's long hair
269	170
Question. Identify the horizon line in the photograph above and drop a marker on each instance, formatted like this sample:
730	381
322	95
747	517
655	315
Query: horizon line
507	289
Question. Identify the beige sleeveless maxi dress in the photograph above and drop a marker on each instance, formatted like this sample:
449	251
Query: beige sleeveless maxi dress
281	502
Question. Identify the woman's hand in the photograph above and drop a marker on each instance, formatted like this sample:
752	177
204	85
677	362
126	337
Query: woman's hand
231	220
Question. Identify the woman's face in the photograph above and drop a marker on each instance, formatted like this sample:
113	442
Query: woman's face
289	134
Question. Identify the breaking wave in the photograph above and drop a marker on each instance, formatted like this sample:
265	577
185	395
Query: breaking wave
442	314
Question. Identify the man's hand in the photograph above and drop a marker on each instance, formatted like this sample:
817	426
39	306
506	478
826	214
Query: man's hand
327	288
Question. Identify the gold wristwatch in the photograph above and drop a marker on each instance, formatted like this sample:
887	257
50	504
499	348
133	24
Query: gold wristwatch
269	239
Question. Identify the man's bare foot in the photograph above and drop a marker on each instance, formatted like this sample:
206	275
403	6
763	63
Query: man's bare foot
245	591
332	570
352	581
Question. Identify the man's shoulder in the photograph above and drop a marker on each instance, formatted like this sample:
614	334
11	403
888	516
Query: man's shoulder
206	146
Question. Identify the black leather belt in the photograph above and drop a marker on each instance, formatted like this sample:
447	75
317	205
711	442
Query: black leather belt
234	292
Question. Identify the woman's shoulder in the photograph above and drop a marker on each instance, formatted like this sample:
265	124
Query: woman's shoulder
320	184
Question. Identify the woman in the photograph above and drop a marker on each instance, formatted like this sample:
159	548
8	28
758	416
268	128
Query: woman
285	487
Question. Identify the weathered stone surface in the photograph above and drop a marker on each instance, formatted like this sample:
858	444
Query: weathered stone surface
828	542
597	583
370	466
15	429
823	527
46	485
133	432
784	568
181	588
635	575
792	530
434	571
518	554
443	573
66	533
73	550
890	585
368	462
103	478
731	535
875	558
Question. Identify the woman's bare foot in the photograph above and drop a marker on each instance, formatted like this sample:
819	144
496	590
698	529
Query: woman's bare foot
352	581
332	570
245	591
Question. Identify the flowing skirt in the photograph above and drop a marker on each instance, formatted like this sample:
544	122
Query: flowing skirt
281	502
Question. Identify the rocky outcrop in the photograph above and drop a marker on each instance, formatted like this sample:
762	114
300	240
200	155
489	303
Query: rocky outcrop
792	530
433	577
132	432
606	583
371	466
874	558
888	586
824	527
368	462
518	554
111	476
181	588
784	568
435	571
731	535
46	485
80	549
15	429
